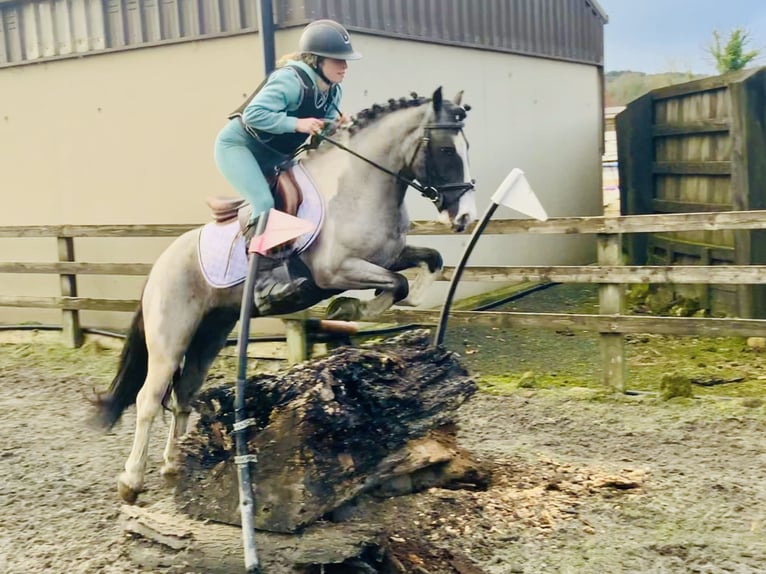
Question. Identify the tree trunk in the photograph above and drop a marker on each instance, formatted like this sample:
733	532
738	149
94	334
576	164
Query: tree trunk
170	540
372	419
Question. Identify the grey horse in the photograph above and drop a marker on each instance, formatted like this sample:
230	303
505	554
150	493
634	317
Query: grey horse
182	322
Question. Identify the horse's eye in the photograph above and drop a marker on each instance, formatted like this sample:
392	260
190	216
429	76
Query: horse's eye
447	150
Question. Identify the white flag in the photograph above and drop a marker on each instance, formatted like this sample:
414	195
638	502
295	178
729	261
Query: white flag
516	193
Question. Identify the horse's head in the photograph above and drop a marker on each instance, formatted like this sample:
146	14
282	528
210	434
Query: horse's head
418	141
441	163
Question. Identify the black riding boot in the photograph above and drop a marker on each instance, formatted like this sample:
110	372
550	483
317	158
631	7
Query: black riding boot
275	286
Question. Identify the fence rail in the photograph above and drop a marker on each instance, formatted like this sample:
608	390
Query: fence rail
608	273
649	223
686	274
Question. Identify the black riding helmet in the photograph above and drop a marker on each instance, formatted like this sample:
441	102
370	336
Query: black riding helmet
328	39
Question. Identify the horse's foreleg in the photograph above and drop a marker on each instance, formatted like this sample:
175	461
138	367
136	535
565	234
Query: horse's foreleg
352	309
360	274
429	262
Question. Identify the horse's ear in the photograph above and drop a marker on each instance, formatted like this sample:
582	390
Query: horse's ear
458	98
437	99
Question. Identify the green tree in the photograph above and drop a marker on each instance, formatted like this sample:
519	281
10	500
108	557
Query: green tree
731	56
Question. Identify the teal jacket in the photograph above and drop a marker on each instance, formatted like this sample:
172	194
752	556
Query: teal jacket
282	93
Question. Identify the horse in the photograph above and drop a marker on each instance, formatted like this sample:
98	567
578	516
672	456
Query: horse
182	322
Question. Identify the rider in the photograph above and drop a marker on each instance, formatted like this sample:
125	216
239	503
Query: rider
292	103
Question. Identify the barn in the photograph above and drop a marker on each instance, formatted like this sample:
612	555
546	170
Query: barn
109	110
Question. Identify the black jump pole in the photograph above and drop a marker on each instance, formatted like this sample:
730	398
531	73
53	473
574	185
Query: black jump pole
513	192
243	458
477	231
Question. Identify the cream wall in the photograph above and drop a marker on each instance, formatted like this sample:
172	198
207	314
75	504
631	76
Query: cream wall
539	115
116	138
127	137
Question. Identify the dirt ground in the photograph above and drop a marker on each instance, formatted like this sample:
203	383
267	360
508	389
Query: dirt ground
583	481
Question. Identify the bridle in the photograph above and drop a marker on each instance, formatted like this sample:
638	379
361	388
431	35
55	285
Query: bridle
436	193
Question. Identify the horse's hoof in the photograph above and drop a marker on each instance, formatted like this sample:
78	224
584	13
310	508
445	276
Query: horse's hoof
128	493
345	309
170	474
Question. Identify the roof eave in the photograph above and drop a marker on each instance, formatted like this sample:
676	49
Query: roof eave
600	10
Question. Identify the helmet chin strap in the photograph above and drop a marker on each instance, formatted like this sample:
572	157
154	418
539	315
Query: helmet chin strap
320	73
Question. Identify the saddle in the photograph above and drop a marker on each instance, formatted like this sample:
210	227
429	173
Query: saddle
284	189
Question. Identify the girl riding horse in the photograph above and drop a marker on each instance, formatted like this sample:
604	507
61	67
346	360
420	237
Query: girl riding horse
295	101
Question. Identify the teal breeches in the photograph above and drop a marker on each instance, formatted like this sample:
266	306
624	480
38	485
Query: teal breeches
243	160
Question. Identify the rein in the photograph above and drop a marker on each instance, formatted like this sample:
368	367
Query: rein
434	193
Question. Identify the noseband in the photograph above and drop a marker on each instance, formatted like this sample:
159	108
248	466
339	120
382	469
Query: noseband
436	193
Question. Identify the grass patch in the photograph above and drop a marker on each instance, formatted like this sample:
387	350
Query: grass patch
704	367
44	352
721	366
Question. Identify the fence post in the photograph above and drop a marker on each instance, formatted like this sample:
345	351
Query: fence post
297	341
70	327
611	302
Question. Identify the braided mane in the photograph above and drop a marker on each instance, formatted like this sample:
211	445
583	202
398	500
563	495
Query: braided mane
371	115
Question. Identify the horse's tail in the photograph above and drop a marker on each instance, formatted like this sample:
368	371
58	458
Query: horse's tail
130	376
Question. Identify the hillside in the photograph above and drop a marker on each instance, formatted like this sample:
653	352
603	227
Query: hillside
625	86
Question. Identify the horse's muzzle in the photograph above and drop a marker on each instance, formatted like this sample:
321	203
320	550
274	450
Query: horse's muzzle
461	223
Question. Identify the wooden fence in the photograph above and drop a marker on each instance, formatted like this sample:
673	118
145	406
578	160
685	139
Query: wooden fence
698	147
609	272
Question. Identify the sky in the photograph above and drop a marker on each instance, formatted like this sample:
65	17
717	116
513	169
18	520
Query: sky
656	36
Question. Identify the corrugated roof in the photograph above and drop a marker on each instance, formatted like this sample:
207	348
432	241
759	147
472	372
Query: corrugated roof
35	30
560	29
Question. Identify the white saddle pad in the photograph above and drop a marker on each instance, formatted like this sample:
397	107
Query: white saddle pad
221	247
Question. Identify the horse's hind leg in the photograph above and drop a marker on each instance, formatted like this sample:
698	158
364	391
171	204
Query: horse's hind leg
179	420
207	342
159	375
168	333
